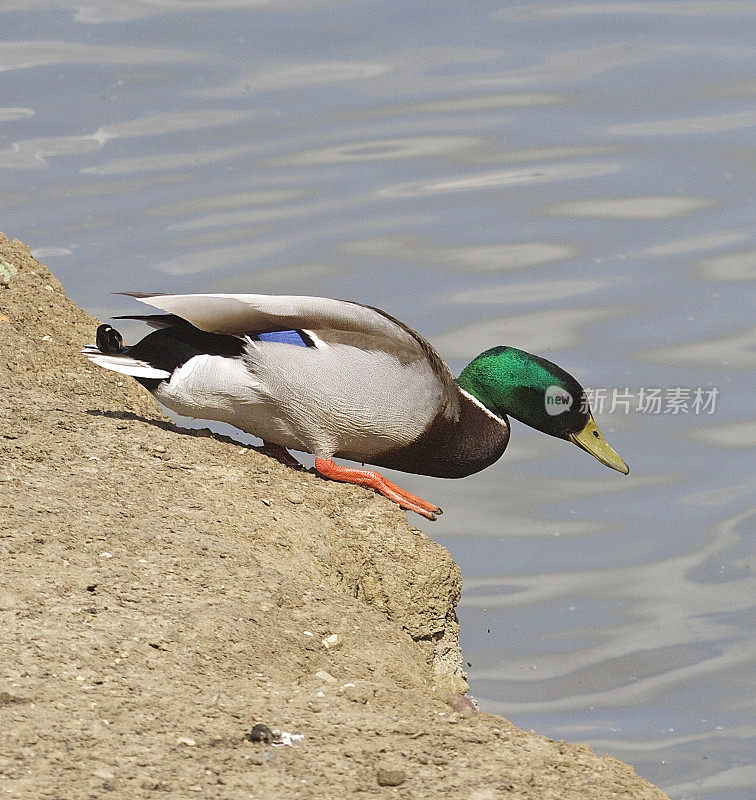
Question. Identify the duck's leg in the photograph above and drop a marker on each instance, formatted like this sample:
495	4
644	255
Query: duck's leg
280	454
374	480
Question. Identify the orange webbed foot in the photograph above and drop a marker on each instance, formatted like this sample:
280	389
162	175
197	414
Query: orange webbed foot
374	480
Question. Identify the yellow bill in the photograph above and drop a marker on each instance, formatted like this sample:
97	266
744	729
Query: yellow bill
591	440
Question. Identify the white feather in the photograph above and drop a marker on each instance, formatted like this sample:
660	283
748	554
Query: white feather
124	364
316	340
480	405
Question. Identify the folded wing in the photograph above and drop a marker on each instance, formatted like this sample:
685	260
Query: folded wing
249	314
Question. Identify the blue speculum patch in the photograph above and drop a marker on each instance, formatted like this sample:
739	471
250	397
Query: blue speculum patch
283	337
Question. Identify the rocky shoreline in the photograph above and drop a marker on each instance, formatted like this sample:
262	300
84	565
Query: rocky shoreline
165	591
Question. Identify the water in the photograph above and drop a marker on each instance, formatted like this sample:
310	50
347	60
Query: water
572	179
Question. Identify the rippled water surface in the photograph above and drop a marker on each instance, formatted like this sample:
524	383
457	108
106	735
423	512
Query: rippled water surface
571	179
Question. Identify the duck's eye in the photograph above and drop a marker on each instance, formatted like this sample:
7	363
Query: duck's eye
596	434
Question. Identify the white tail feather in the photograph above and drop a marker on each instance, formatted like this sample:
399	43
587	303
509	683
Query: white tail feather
124	364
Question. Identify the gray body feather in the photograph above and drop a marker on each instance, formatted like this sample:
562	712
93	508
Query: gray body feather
366	388
323	400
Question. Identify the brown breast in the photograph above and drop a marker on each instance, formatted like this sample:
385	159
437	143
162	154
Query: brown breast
451	449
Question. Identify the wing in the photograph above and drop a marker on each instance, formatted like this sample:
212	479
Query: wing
245	314
332	320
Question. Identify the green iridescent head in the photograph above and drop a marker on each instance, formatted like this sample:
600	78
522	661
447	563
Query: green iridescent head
511	382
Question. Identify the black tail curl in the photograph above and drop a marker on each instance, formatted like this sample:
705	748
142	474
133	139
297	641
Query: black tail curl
109	341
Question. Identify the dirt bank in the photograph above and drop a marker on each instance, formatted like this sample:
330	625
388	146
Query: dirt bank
162	592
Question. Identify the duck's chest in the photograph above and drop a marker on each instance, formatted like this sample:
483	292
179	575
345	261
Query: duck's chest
453	449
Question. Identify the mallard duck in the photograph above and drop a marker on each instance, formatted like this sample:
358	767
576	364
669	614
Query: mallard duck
340	379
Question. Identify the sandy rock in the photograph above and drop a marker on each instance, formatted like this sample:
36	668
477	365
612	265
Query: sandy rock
388	776
464	706
332	642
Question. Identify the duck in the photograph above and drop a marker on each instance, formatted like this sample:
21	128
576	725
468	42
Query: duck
340	379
